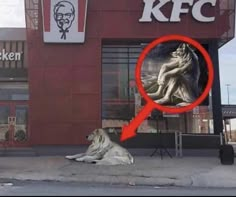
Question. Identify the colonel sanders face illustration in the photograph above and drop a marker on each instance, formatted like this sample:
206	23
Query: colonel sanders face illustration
64	15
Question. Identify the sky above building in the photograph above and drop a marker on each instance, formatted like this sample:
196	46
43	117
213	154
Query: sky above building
12	15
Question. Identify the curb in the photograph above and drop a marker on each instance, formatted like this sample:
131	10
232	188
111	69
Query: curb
100	179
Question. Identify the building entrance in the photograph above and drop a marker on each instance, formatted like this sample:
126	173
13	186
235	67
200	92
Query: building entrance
13	124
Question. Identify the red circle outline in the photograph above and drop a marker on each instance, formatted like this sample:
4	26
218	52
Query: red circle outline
168	38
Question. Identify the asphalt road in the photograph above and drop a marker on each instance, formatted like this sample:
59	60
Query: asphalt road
16	188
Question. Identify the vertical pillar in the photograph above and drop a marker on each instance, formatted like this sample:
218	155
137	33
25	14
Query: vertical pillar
216	93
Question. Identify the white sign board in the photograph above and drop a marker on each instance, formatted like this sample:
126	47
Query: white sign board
10	56
64	21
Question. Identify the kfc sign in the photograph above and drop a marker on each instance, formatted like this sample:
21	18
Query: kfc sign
64	21
177	10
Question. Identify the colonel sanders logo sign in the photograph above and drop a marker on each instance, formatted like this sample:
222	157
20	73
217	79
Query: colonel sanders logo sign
64	15
64	21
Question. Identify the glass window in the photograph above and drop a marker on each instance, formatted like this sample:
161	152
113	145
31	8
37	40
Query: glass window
4	114
120	100
14	91
21	114
118	80
21	123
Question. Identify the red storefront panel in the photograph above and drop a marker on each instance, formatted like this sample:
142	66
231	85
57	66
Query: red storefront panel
65	79
80	82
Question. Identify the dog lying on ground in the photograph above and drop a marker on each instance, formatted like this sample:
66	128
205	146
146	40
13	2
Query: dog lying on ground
103	151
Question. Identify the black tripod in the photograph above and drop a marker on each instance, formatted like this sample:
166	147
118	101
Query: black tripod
161	148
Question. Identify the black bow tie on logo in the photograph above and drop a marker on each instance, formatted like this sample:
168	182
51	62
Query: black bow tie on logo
63	36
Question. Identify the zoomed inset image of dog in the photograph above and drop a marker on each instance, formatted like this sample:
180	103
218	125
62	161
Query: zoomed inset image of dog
103	151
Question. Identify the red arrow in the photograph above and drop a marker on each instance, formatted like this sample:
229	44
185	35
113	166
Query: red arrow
128	131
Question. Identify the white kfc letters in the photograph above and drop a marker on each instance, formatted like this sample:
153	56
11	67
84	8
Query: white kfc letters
177	10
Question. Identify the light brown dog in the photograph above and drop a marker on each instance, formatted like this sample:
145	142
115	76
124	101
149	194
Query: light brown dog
103	151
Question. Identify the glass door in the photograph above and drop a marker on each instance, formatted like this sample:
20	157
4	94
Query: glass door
5	112
21	125
13	124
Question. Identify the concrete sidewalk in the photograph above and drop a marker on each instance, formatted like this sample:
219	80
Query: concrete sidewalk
151	171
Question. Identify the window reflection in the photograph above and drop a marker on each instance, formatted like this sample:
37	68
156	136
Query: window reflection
120	100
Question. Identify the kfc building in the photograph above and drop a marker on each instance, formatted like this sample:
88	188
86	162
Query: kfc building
79	64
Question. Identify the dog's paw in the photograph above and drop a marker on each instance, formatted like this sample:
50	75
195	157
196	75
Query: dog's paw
79	159
69	157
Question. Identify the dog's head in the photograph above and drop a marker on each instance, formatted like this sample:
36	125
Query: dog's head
97	135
